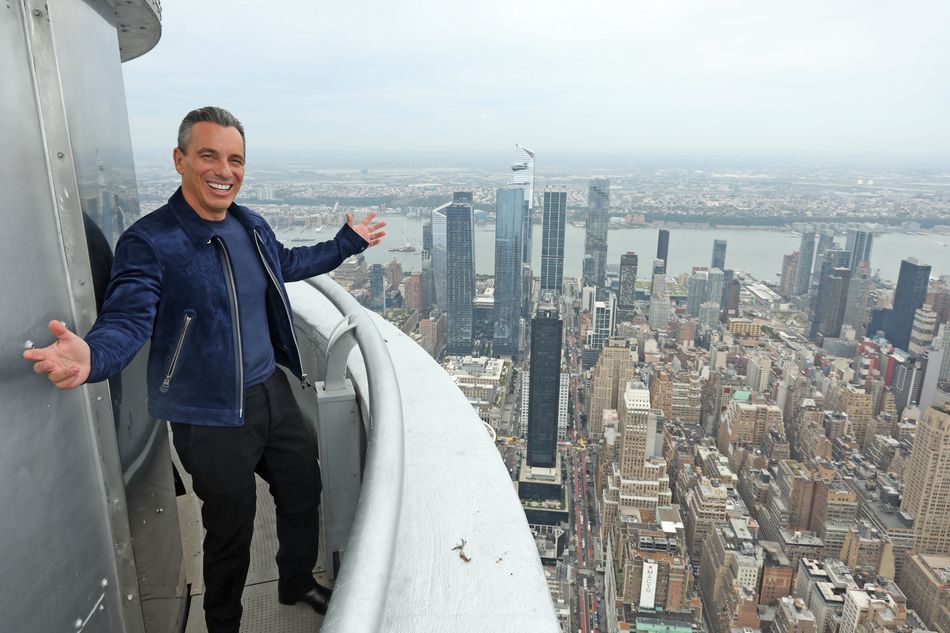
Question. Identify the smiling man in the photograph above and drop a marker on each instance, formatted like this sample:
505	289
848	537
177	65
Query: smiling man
203	279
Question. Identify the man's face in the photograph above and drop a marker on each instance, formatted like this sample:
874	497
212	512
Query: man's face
211	168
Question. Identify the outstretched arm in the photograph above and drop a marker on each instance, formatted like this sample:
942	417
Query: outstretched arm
307	261
66	362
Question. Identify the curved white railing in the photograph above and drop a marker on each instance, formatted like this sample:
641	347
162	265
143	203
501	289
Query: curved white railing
361	590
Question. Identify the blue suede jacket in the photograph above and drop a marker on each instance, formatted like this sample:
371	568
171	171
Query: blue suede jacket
172	281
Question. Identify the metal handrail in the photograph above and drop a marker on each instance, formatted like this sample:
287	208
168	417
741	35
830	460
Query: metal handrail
362	587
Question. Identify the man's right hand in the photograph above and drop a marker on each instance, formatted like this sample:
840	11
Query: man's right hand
67	362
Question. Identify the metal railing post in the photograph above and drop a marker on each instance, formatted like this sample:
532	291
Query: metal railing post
339	430
362	585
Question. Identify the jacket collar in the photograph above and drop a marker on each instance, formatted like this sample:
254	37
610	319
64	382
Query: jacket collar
199	231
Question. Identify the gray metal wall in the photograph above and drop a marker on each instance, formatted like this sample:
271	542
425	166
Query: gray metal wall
89	532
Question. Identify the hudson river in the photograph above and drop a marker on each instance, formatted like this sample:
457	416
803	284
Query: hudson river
754	250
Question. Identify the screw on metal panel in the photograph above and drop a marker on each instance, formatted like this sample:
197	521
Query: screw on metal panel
60	155
37	13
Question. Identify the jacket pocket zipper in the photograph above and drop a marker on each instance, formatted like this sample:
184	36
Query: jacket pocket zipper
304	380
173	365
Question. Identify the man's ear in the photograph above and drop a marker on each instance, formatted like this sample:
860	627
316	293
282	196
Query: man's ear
178	156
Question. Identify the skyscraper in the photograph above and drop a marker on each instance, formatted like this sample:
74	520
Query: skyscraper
595	240
603	321
427	283
439	248
544	377
377	288
628	282
728	275
910	294
831	302
856	311
660	307
460	277
927	482
806	254
522	177
509	211
719	255
427	234
659	268
826	241
859	245
553	220
663	247
696	291
715	280
732	296
922	331
789	274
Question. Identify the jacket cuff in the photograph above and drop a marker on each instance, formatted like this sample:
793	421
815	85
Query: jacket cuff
351	241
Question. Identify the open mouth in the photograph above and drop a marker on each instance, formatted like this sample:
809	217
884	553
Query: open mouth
219	187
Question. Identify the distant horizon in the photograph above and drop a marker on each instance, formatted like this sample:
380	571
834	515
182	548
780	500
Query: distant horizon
499	159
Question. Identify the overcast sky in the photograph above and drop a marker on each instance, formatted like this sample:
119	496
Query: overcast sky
802	77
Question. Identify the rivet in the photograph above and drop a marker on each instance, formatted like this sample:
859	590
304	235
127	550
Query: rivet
28	344
60	155
37	13
104	582
129	597
78	623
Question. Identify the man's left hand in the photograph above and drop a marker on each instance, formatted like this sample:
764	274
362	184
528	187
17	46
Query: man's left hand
366	228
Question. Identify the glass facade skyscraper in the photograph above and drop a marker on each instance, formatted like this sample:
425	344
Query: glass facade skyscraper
544	388
459	278
554	215
595	240
509	212
911	293
663	247
522	177
806	254
859	244
719	255
438	253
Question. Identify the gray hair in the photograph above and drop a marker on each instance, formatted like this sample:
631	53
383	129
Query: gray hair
207	114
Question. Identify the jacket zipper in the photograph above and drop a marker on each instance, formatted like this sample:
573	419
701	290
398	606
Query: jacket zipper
173	366
304	381
236	317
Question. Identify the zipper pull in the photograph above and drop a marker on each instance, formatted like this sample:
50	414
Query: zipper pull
165	386
305	382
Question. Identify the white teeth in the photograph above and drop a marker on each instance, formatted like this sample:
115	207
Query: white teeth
215	185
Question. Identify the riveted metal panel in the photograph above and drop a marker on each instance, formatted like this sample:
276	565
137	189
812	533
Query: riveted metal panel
55	530
68	499
90	76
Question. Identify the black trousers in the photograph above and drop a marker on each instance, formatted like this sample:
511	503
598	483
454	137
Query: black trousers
277	444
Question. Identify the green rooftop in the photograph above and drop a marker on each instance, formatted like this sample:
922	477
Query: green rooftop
742	396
